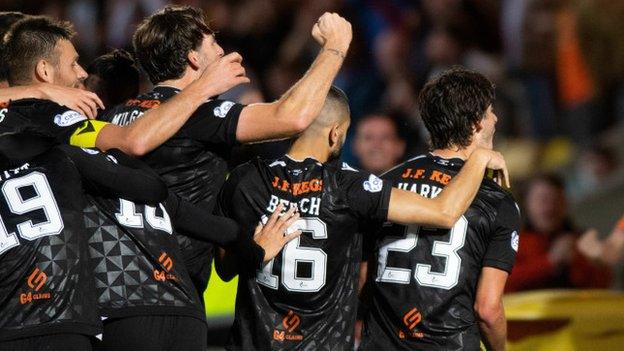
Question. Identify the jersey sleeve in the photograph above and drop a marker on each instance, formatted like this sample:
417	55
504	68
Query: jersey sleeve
195	222
117	175
66	126
367	195
503	246
214	122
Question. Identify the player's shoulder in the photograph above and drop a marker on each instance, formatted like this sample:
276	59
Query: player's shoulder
418	161
246	171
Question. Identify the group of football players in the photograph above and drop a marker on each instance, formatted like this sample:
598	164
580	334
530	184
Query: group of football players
114	204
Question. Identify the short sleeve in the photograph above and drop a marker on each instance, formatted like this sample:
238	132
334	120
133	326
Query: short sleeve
214	122
367	195
503	246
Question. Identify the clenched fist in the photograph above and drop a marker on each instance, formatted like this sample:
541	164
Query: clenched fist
333	32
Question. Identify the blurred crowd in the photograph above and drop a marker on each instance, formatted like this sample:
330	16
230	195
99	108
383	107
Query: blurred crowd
558	66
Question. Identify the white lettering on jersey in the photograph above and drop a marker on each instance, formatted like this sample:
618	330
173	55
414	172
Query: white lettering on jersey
429	191
311	206
373	184
90	151
3	114
515	240
68	118
222	110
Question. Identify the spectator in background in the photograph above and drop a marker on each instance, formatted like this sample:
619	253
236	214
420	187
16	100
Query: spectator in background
608	251
547	257
378	144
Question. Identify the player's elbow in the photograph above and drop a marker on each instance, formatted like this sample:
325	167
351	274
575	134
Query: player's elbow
296	119
489	313
136	146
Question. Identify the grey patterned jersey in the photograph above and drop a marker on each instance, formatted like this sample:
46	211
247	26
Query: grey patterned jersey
45	283
136	261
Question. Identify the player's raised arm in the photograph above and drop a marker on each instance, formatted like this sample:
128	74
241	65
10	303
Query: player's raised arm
298	107
444	210
159	124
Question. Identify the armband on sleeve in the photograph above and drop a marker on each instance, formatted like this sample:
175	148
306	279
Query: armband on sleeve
86	134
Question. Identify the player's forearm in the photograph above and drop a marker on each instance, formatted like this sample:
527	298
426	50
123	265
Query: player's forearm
494	332
158	125
455	199
303	102
20	92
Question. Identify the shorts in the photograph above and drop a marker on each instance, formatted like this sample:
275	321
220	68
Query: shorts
154	333
54	342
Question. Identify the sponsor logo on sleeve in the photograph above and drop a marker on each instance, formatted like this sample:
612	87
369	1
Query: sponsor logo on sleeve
90	151
222	110
373	184
515	240
68	118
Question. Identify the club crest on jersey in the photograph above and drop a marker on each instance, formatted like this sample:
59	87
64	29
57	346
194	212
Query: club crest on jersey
68	118
515	240
373	184
222	110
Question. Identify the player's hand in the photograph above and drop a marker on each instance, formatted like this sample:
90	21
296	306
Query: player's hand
590	246
273	235
80	100
223	74
496	162
333	32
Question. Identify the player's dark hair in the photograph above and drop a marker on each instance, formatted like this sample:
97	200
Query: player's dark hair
114	77
6	20
30	40
163	40
453	104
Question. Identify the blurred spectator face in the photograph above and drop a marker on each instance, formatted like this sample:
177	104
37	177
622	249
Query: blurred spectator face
485	137
442	49
391	52
377	144
546	206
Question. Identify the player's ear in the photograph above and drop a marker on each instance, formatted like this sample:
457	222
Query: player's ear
193	59
334	135
44	71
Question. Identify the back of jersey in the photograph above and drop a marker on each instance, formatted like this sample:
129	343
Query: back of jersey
136	261
425	279
305	298
46	286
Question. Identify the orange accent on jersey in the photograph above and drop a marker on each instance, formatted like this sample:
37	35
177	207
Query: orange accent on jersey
313	185
440	177
36	279
291	321
620	224
143	103
412	318
4	104
166	261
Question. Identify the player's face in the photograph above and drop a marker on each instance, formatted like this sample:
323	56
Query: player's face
68	72
209	51
485	137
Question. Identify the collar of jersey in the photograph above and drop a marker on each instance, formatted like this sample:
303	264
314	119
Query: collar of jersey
306	160
453	161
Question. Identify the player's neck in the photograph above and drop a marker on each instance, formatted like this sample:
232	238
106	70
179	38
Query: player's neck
455	152
303	148
179	83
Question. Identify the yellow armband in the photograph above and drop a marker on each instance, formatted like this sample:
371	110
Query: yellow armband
86	134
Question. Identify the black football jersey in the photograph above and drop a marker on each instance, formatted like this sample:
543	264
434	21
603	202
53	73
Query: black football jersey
306	297
425	279
136	262
46	285
192	162
47	119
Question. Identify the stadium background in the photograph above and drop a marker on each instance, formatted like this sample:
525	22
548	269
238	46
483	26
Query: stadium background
558	66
